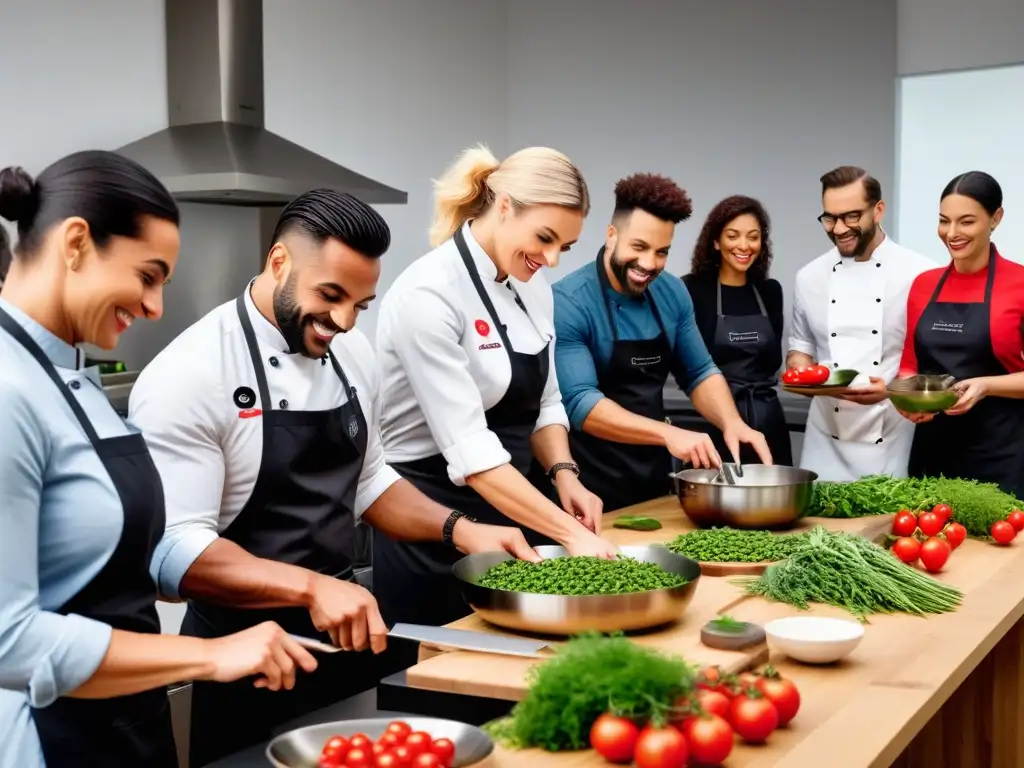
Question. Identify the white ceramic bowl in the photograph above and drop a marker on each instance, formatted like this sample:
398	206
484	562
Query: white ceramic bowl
814	639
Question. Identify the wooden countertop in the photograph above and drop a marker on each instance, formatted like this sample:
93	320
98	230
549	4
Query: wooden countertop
868	708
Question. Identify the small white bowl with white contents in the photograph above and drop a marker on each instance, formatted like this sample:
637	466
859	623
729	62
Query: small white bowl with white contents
814	639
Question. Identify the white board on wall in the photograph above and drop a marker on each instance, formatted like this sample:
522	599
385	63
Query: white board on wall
954	122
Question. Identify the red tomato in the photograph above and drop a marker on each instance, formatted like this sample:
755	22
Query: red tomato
427	760
359	757
418	741
445	749
388	760
325	762
614	738
904	524
334	750
934	554
955	534
753	717
1016	519
404	754
907	549
661	748
1003	532
400	729
944	511
360	740
930	523
713	703
378	750
713	679
817	374
782	693
791	377
389	740
710	739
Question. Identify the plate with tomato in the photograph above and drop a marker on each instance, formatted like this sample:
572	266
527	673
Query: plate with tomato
818	380
415	742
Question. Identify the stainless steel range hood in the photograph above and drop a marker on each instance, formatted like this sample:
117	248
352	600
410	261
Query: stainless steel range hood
217	149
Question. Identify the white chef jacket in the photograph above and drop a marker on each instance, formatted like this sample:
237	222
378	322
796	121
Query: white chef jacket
853	315
208	449
443	363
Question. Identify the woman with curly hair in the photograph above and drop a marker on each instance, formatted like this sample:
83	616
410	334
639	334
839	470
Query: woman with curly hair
739	313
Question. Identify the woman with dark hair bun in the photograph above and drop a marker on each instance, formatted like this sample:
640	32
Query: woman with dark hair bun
84	669
964	320
739	313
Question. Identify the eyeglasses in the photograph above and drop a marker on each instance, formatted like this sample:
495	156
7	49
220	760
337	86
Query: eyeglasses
850	218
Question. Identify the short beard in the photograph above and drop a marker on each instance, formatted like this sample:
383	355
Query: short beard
621	269
863	241
288	315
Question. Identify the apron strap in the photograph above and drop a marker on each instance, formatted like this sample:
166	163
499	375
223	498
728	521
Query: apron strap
20	335
989	282
474	275
254	352
757	296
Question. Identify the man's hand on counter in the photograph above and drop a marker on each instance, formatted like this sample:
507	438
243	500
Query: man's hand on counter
578	501
696	448
470	537
348	613
739	432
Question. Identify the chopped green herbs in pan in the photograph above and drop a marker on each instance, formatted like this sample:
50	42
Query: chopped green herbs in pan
975	505
729	545
579	576
852	573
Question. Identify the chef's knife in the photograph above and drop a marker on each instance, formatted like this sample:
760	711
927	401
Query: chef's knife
445	637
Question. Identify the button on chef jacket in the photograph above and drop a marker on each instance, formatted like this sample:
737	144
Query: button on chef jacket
443	364
853	315
60	522
195	403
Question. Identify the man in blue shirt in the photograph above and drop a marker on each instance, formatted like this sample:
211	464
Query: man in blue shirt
620	331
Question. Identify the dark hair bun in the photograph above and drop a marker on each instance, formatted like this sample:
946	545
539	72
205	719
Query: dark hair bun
18	199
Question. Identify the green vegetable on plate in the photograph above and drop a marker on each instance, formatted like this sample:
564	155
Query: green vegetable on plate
731	545
580	576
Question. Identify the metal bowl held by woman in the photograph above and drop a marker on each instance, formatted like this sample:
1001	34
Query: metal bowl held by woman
301	748
762	497
923	393
571	614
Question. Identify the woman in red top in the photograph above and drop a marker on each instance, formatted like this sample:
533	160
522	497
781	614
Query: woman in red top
965	320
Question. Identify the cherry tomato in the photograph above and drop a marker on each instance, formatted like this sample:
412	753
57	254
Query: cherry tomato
713	679
1003	532
614	738
334	750
389	740
1016	519
418	741
944	511
400	728
360	740
427	760
782	693
404	754
904	524
907	549
955	534
934	554
388	760
817	374
661	748
359	757
710	739
930	523
713	703
378	749
444	749
791	377
325	762
753	717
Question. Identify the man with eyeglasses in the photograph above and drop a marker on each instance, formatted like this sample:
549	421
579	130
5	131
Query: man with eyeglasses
850	313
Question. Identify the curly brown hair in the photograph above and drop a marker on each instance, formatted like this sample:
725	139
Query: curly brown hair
707	259
657	195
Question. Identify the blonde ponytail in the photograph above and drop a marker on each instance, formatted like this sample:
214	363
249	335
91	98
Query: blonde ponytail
462	193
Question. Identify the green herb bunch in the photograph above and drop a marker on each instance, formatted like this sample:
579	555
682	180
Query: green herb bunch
591	675
975	505
852	573
729	545
579	576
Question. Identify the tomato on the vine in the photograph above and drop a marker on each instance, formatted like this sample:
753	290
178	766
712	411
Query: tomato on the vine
713	679
713	702
710	739
944	511
907	549
930	523
614	738
661	748
955	534
753	716
904	524
1003	532
934	554
1016	519
781	692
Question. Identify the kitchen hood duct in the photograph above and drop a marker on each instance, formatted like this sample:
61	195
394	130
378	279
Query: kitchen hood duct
216	149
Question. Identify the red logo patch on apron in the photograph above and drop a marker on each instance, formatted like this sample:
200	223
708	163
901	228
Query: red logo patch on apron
482	327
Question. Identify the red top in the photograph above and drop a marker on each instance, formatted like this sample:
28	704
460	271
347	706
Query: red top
1006	314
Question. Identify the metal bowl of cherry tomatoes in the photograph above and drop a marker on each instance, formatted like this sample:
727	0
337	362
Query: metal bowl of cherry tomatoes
417	742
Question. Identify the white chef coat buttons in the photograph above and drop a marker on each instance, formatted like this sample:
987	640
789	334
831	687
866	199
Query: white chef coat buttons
75	385
835	365
837	409
879	440
874	333
833	335
274	362
283	405
878	301
875	362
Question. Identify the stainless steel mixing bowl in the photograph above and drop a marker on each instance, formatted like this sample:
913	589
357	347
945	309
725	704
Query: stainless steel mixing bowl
571	614
764	497
301	748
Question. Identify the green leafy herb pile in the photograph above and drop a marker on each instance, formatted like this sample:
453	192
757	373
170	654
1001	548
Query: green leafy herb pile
852	573
729	545
591	675
975	505
579	576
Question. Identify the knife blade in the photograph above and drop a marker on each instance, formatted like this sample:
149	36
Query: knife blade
445	637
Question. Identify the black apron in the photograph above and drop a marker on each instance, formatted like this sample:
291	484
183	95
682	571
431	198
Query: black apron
413	581
301	512
985	443
742	349
133	730
634	378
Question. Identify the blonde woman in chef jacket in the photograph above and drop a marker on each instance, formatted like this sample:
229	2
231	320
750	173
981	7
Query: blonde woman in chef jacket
850	312
470	395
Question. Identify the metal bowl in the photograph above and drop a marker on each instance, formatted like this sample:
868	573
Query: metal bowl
764	497
923	393
571	614
301	748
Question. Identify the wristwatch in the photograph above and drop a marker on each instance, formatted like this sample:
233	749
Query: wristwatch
570	465
449	526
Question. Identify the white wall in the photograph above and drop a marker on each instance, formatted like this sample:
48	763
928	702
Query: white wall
940	35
